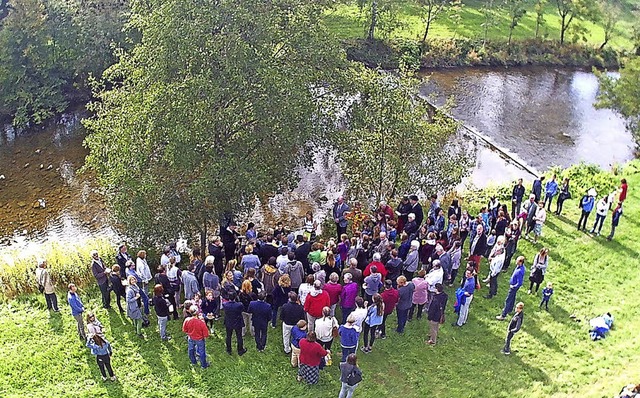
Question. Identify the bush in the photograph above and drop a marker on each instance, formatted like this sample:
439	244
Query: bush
66	263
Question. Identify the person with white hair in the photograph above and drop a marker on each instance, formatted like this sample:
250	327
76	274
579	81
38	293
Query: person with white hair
387	210
411	227
383	247
46	286
379	266
435	276
412	261
314	303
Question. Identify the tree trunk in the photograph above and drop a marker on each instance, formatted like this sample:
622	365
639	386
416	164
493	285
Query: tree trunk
374	20
563	29
537	27
510	36
426	29
203	237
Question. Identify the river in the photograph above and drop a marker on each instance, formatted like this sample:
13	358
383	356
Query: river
536	117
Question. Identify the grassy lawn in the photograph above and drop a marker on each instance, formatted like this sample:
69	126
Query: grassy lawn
552	356
344	21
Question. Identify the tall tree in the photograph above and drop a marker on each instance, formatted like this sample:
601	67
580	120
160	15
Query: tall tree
378	15
516	9
393	143
430	10
490	18
571	13
540	8
608	15
220	101
623	94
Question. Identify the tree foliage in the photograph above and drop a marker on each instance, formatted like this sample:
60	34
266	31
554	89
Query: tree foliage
516	9
540	8
220	101
48	49
572	13
432	9
393	143
623	94
378	15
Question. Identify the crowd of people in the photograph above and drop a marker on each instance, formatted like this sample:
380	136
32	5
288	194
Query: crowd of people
336	293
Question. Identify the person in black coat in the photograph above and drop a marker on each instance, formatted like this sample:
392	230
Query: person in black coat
167	288
411	227
516	198
478	247
233	322
268	249
302	252
435	313
416	208
402	211
116	285
291	313
514	326
260	315
215	250
230	240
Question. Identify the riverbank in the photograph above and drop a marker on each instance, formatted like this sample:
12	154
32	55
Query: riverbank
552	356
450	53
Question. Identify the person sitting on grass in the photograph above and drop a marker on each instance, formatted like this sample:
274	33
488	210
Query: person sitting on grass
102	350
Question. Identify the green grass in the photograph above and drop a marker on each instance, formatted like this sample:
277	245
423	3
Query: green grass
344	22
553	356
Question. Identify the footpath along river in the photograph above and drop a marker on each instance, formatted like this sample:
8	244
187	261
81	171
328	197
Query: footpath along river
537	116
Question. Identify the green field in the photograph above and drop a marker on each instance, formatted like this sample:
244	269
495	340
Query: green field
344	22
552	356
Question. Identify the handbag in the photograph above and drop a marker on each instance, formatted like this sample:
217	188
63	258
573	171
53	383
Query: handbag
354	377
40	288
335	332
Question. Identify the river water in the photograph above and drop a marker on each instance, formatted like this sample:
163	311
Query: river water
520	121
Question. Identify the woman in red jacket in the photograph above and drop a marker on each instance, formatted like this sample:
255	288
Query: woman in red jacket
311	354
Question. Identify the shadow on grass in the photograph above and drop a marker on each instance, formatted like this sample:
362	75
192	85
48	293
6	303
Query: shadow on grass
114	388
56	323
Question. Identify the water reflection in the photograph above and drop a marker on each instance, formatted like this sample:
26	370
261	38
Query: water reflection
545	116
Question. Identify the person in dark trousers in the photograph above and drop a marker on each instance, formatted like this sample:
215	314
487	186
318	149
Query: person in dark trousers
586	204
116	286
260	316
516	198
514	326
302	251
99	272
416	209
197	332
405	297
102	350
547	292
340	208
536	189
233	322
162	279
615	219
435	313
564	195
532	208
550	190
517	278
161	305
230	240
121	258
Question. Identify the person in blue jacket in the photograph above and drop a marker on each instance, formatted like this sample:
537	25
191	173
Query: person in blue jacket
615	219
260	316
464	296
517	278
586	204
551	189
77	308
102	350
536	189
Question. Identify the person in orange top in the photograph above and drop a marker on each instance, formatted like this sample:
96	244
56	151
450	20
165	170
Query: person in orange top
311	354
196	331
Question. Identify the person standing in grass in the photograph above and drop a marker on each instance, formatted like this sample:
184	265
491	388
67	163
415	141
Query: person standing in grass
99	272
233	322
325	327
514	326
516	198
350	376
102	350
405	296
419	298
435	313
464	296
390	299
586	204
314	303
134	304
539	218
77	308
161	306
538	269
298	332
564	195
197	332
311	354
348	296
602	208
292	312
46	286
260	316
615	219
375	314
94	326
349	336
547	292
514	285
116	286
551	189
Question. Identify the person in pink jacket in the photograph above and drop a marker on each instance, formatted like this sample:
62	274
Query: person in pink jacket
419	294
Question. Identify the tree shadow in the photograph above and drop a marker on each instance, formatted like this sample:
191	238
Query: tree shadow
56	322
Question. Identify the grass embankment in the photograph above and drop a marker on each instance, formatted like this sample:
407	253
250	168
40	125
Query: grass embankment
345	21
40	355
